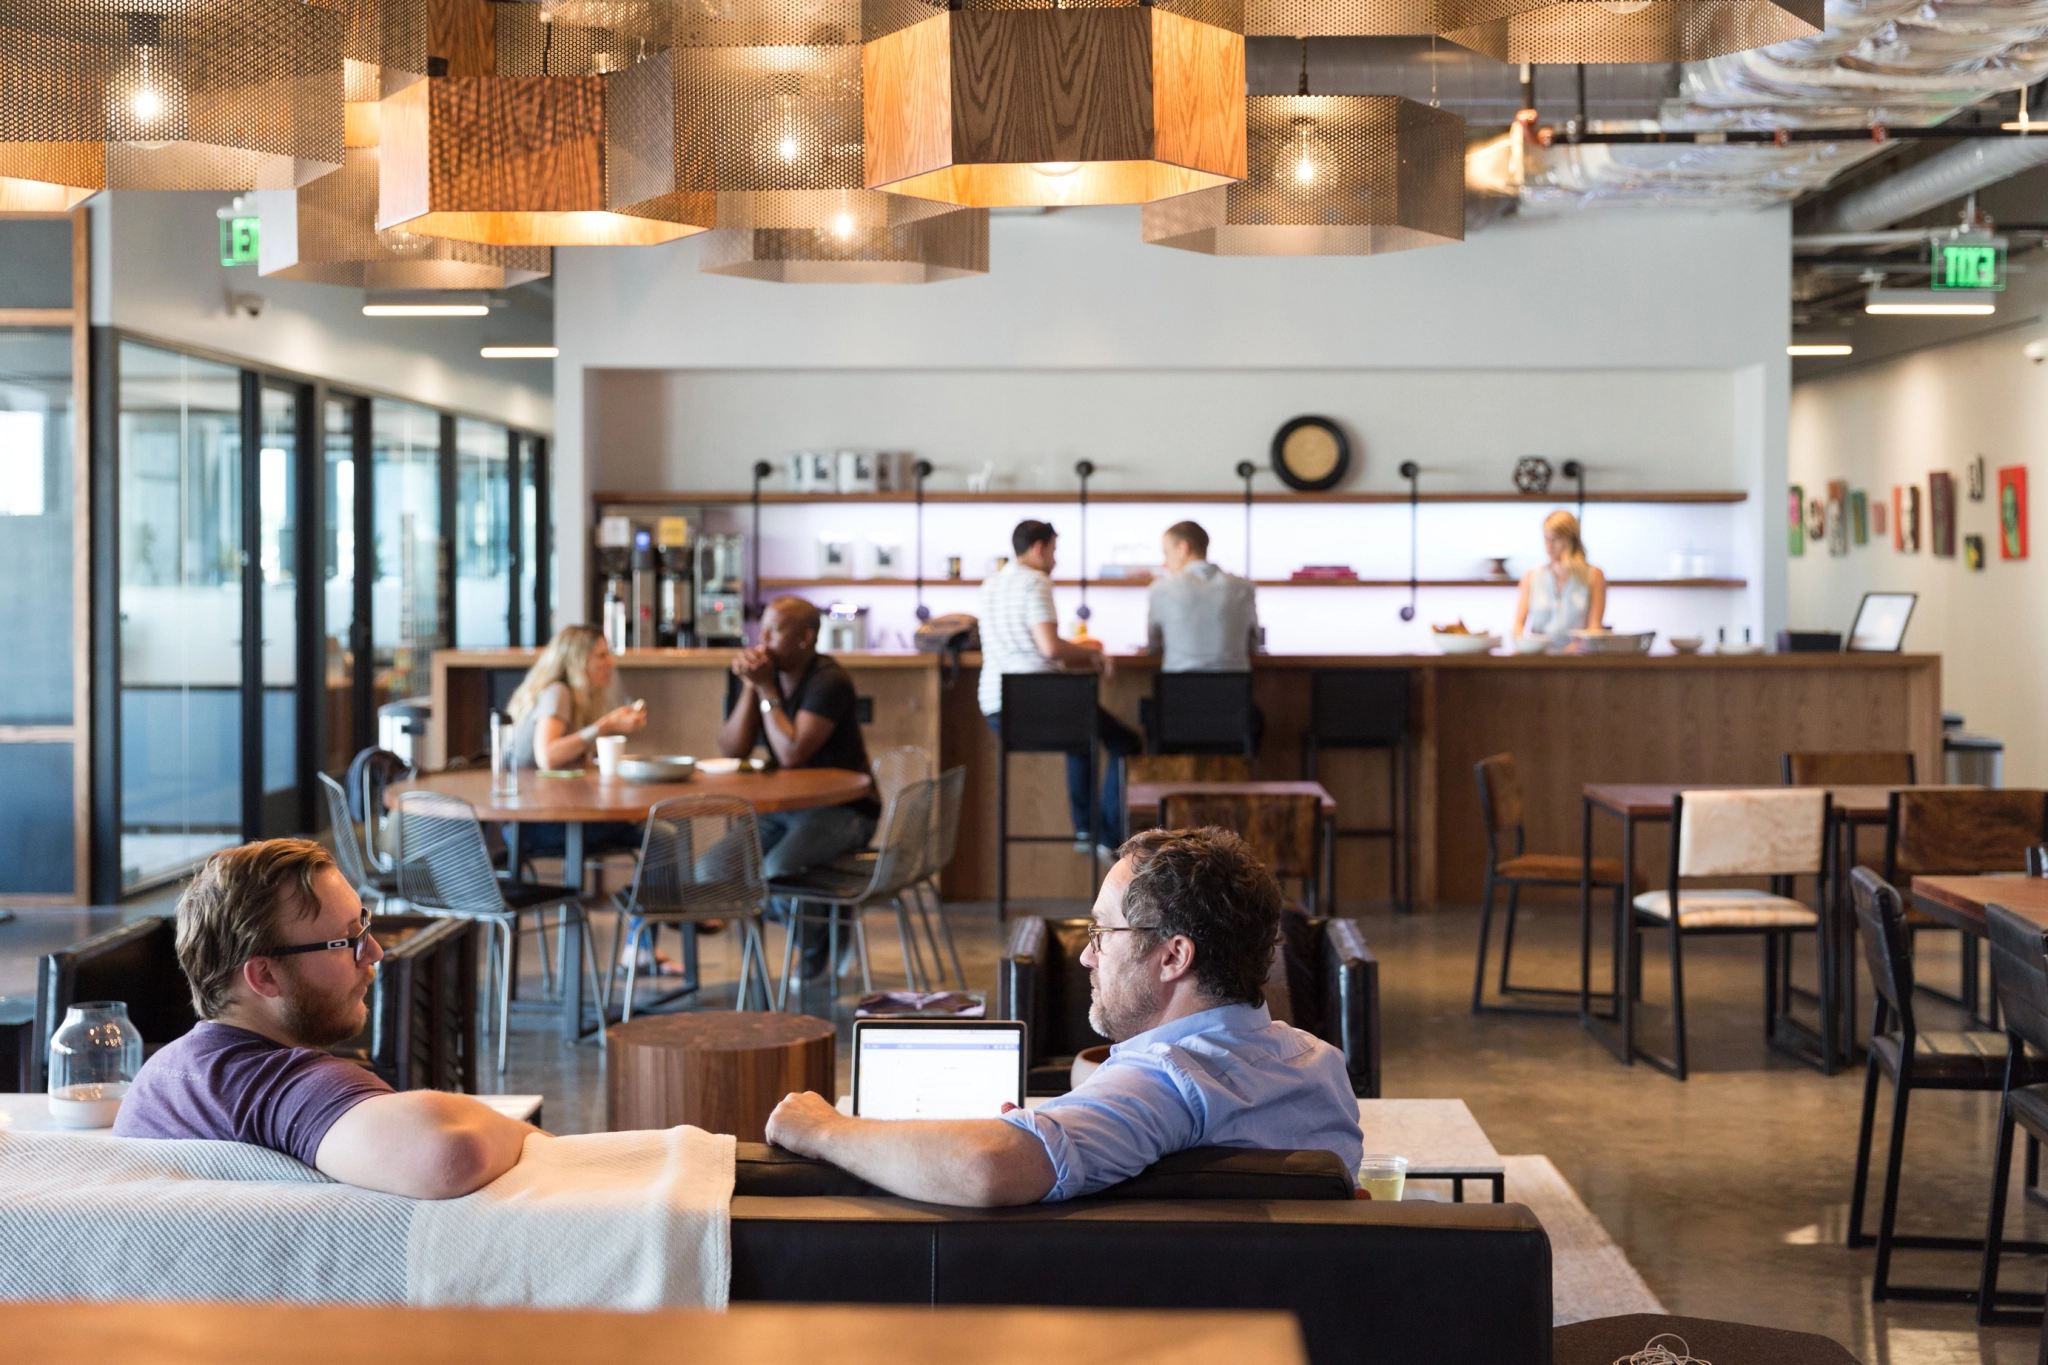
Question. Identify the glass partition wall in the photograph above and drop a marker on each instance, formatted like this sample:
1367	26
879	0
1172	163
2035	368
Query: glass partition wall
245	655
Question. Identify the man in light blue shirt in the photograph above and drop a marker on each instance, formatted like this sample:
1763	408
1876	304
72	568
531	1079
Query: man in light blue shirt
1184	931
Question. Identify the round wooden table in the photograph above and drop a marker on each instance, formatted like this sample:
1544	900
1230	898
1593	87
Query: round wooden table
575	801
724	1071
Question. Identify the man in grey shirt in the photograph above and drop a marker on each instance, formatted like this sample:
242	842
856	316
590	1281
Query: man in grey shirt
1199	618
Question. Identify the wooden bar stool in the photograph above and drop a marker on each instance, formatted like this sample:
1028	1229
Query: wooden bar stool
1367	708
1201	713
1508	864
1044	713
1280	828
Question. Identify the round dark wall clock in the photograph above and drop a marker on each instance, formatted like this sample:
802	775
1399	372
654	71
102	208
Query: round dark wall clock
1311	454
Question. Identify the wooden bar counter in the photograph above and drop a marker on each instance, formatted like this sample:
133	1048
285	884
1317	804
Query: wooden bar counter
1568	721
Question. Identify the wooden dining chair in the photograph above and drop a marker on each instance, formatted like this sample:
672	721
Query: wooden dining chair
1849	768
1934	832
1912	1059
2019	974
1280	828
1187	768
1775	832
1509	864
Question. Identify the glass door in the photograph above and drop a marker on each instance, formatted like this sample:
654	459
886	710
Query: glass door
181	622
275	584
408	592
483	535
347	639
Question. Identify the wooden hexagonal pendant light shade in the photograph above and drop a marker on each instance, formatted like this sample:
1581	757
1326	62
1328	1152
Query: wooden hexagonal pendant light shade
1625	30
948	245
1331	175
994	103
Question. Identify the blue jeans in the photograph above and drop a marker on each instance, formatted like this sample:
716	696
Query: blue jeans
799	840
1120	741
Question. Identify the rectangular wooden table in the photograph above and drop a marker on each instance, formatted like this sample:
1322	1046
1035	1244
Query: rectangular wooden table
1959	901
1142	801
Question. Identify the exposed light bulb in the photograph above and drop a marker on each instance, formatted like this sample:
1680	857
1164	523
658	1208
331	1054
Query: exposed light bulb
1305	171
843	225
787	148
1056	167
1304	160
147	104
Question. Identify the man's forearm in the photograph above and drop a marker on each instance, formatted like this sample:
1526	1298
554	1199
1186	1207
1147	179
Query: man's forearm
974	1162
736	736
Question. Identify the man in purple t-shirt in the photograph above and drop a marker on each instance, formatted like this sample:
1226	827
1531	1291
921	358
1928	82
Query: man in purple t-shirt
276	946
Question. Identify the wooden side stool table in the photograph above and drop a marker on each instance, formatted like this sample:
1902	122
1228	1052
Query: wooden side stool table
722	1070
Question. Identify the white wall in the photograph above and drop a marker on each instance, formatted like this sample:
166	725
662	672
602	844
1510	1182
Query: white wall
1893	424
157	272
1649	344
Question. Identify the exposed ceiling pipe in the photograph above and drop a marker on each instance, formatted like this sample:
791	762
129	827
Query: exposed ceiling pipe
1934	182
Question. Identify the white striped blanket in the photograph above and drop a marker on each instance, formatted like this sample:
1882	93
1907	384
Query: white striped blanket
617	1220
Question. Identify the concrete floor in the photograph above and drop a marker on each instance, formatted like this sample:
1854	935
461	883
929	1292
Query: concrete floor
1729	1192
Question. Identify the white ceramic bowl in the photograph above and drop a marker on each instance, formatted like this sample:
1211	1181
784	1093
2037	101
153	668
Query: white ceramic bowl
1738	647
1467	644
656	767
1686	644
1530	644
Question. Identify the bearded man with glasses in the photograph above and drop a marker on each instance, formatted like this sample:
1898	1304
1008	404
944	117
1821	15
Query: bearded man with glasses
276	947
1182	937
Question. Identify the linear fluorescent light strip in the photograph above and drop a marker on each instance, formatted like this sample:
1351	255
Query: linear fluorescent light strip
1929	303
520	352
1819	348
426	310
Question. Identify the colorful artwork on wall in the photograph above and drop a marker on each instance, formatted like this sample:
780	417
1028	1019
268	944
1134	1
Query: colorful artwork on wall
1838	516
1816	521
1880	519
1795	521
1941	514
1859	517
1975	471
2012	512
1899	517
1973	552
1912	518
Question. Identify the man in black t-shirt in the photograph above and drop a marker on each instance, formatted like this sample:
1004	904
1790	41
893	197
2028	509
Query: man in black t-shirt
801	704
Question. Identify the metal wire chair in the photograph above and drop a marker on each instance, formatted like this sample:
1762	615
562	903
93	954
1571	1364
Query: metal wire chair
700	859
949	789
444	869
894	769
370	883
904	847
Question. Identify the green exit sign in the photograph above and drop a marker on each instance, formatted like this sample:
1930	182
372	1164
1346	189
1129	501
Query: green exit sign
1969	265
237	241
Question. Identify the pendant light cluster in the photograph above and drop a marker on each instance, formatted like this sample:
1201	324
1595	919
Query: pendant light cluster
413	144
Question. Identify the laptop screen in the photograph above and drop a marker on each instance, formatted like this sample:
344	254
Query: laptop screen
967	1069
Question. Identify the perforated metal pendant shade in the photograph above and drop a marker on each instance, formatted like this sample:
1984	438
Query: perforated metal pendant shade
510	148
1625	30
947	246
170	94
327	233
1331	175
1339	18
1039	102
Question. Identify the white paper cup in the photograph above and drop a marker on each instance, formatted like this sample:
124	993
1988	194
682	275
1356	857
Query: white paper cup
609	747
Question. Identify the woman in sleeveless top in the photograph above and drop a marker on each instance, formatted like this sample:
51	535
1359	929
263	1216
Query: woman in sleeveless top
1565	595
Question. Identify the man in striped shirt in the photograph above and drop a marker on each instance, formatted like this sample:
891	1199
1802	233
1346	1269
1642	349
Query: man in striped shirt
1020	634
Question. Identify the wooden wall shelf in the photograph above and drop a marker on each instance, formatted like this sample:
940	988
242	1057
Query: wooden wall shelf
730	499
787	583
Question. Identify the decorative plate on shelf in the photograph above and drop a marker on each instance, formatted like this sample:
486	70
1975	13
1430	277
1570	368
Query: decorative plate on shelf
1311	454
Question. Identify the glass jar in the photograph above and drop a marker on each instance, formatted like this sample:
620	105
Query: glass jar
93	1059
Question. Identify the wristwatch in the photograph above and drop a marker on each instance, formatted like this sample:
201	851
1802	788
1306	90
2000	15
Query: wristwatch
767	706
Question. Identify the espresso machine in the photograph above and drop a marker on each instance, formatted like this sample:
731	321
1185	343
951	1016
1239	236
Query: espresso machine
721	589
645	633
615	562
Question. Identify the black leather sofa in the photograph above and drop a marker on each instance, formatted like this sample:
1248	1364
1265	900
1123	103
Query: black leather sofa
1372	1284
1326	981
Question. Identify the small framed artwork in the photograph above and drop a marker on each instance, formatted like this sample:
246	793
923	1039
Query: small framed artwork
1838	517
1941	514
1912	518
1859	517
1899	517
1816	521
1974	471
1795	519
1880	519
1973	553
2012	512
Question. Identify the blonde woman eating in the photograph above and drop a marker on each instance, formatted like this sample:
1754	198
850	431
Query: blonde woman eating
1565	595
557	724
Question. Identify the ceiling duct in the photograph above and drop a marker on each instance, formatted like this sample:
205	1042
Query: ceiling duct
1941	179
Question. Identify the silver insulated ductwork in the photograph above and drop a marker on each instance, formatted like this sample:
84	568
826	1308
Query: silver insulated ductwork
1936	181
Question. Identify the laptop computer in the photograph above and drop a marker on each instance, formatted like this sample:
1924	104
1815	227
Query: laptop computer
1881	622
937	1068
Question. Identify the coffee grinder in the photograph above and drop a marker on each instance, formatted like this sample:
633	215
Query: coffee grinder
614	556
674	608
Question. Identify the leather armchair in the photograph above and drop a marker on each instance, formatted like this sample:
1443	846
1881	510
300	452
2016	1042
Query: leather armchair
1326	983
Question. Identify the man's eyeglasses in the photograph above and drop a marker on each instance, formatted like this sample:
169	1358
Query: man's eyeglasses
1097	931
354	943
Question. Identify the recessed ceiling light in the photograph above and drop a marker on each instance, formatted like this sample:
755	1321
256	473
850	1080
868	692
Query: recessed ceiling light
1930	303
520	352
1820	348
426	310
